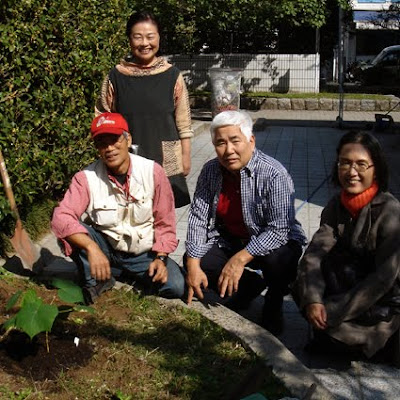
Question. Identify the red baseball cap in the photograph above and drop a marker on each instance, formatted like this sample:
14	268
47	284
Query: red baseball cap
109	123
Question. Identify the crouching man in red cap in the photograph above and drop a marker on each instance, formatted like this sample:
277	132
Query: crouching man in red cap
118	216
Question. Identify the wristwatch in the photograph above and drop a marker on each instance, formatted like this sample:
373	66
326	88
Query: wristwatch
164	259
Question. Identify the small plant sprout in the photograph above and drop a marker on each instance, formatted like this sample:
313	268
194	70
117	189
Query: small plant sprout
35	316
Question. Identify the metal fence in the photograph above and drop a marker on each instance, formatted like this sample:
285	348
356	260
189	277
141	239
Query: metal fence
283	73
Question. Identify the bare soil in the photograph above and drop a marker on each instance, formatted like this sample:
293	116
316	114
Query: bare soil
112	361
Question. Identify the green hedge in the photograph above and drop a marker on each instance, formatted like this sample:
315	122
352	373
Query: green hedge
53	57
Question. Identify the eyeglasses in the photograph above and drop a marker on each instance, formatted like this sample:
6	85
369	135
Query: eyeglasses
359	166
106	140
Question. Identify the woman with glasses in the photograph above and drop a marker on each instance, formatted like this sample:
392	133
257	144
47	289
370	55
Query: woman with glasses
348	284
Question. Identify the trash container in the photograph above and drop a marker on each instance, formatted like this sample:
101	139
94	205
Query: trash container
225	89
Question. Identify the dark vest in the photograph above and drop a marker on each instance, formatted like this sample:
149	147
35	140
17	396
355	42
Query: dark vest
147	103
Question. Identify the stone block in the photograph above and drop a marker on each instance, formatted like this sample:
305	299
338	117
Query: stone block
311	104
269	104
367	105
335	104
395	104
325	104
352	105
382	105
284	104
298	104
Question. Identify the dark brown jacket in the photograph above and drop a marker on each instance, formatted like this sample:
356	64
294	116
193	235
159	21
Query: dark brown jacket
374	238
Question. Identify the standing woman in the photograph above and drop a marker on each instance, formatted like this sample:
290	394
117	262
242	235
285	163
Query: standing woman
152	96
348	283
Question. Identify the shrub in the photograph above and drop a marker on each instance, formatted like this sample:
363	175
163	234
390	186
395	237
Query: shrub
54	56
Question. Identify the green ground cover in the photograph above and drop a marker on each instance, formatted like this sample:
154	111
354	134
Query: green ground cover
130	348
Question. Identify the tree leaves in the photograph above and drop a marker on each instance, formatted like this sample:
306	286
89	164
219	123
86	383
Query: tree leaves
245	26
54	56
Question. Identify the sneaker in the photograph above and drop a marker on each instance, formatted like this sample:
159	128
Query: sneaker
91	293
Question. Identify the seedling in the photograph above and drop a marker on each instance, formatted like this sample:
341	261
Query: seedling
35	316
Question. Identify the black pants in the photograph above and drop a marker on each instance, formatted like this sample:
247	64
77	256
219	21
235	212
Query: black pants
279	268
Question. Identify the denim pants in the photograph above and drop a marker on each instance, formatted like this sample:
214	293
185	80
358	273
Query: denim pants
135	265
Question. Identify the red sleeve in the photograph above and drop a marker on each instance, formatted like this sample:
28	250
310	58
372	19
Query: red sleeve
164	213
66	217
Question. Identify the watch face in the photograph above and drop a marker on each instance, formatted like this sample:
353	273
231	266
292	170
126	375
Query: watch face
163	259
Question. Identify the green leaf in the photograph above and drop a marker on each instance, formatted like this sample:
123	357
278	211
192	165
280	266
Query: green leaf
34	316
68	291
30	296
13	300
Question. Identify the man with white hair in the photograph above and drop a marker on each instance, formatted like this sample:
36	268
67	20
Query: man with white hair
242	220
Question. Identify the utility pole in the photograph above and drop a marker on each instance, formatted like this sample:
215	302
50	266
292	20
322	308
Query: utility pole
318	60
339	119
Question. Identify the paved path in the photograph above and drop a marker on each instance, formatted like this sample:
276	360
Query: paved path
308	152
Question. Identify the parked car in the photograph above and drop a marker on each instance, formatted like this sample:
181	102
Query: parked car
384	69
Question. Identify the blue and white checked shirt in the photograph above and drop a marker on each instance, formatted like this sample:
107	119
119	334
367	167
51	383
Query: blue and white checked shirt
267	195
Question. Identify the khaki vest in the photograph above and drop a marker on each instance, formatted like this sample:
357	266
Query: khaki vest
128	225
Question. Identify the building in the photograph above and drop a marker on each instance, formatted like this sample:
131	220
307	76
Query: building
369	34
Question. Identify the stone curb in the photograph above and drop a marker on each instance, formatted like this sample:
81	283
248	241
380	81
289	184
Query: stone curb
285	366
392	103
324	104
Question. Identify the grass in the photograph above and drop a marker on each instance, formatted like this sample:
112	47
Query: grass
143	350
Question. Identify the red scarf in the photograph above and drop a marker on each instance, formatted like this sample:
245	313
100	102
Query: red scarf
354	203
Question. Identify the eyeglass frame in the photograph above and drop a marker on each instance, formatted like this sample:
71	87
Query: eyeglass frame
102	145
347	166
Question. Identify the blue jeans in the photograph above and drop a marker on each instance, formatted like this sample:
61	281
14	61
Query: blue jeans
136	265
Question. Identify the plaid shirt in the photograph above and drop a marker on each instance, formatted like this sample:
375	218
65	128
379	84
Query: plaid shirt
267	195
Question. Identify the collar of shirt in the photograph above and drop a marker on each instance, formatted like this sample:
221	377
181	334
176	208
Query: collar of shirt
251	165
125	186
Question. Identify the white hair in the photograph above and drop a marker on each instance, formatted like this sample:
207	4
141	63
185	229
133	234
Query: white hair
238	118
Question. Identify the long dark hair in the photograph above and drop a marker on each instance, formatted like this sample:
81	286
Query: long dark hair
141	16
375	150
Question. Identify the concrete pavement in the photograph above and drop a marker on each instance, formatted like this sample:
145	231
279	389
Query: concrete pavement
305	143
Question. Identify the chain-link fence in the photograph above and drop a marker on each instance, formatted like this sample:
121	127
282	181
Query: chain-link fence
281	73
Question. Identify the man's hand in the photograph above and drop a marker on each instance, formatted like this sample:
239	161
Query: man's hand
195	279
98	262
232	272
158	271
99	265
316	315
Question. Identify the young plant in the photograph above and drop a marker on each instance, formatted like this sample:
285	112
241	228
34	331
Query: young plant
35	316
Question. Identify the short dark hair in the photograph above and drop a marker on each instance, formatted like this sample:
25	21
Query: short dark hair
374	148
141	16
